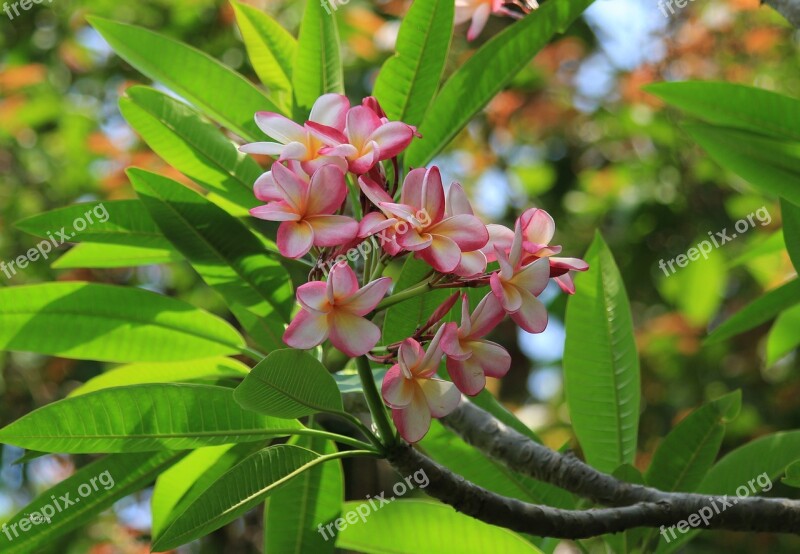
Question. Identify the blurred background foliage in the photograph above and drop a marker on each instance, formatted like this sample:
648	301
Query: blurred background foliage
575	135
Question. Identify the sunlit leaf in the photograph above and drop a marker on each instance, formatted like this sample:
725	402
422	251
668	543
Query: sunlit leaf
99	255
783	336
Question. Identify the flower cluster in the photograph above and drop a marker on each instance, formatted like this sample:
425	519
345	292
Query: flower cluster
342	148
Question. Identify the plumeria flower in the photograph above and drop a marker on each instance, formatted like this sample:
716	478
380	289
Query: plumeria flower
366	139
516	286
335	310
414	393
478	12
470	358
306	210
437	239
295	142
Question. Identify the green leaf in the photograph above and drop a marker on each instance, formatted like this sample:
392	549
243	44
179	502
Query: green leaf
783	336
186	481
425	527
126	222
601	366
218	91
227	256
317	67
486	73
105	256
142	418
792	477
289	383
733	105
770	165
316	496
408	80
757	312
270	47
790	213
193	146
687	453
239	490
164	372
107	323
111	478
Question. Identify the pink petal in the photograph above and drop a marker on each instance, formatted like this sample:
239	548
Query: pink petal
532	315
265	188
310	166
275	211
374	222
353	335
413	421
325	133
487	315
451	345
342	282
280	128
367	297
441	396
368	157
392	138
569	263
506	269
423	189
466	231
533	277
493	358
412	240
326	191
263	148
467	375
295	151
499	237
331	110
306	330
508	295
566	283
479	19
293	189
409	355
373	191
312	297
332	230
343	150
472	264
429	365
397	391
457	201
295	238
361	123
537	226
443	254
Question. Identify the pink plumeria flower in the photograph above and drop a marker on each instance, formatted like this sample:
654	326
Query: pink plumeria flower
306	210
472	263
516	286
295	142
335	310
470	358
366	139
437	239
414	393
478	12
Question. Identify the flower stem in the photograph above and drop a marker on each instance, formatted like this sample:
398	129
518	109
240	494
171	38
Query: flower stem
375	403
405	294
